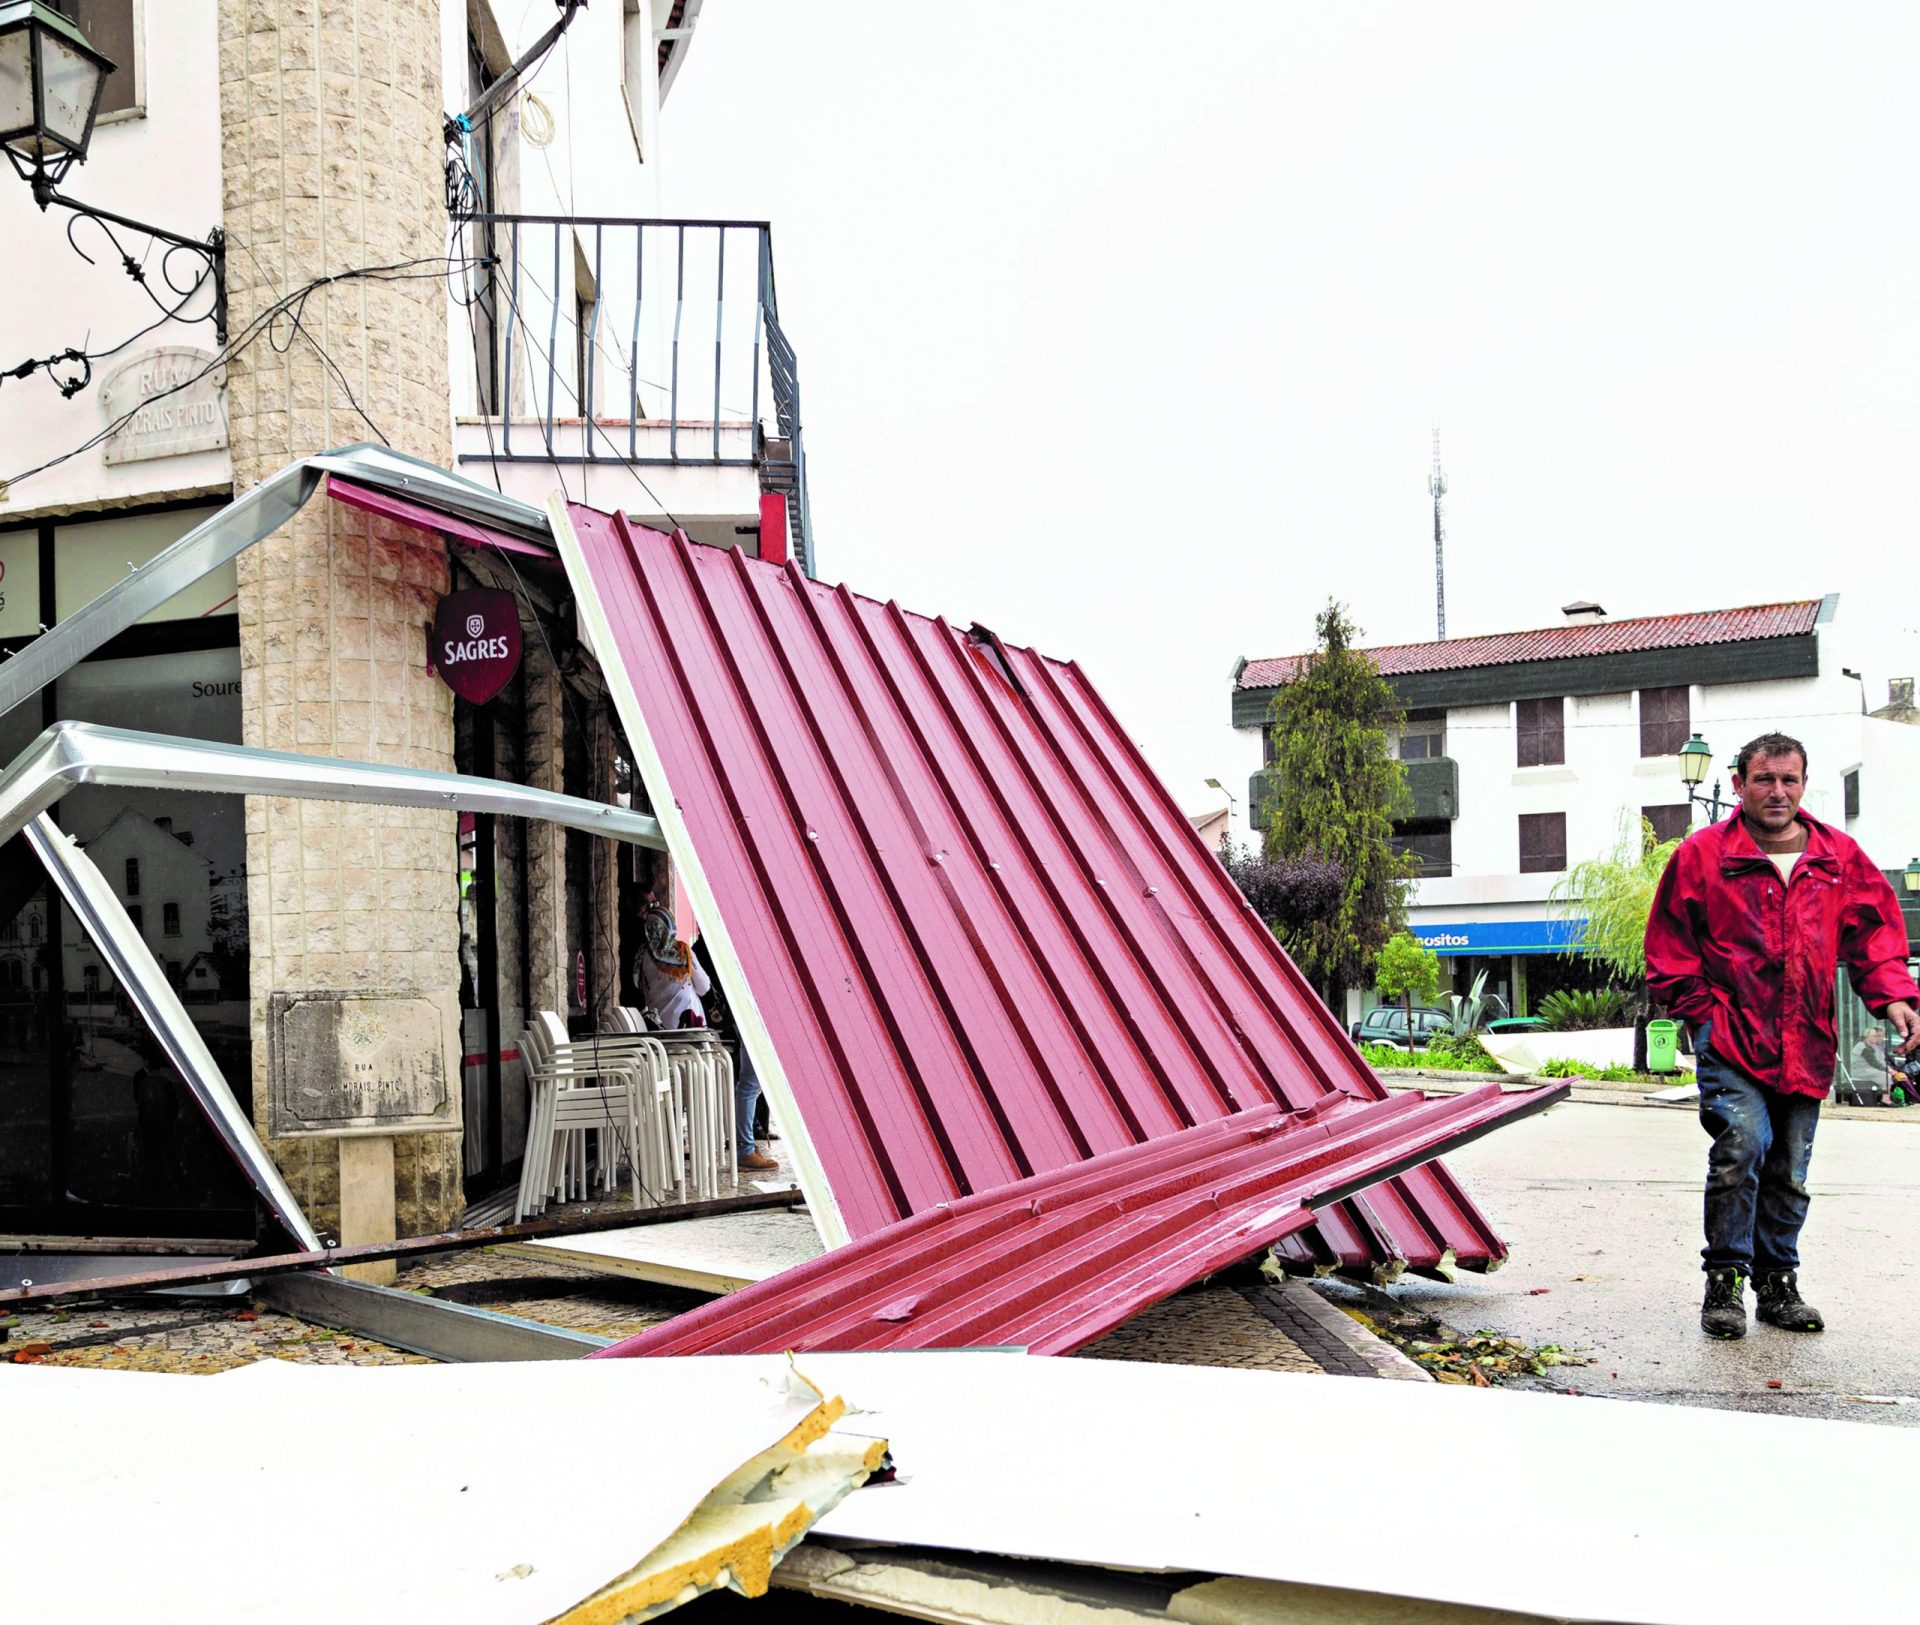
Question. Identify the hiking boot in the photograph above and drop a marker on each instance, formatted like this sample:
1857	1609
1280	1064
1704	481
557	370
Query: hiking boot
1780	1303
758	1162
1723	1315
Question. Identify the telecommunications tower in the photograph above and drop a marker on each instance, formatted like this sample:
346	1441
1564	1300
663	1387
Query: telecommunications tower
1437	488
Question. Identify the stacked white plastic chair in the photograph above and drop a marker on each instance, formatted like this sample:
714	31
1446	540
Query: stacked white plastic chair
617	1088
703	1091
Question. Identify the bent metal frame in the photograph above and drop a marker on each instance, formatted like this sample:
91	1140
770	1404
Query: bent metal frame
73	753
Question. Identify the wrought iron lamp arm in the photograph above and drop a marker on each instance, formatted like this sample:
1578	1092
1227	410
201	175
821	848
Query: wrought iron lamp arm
212	248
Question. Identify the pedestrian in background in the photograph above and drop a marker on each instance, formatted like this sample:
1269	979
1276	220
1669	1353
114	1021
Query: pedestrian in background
1749	925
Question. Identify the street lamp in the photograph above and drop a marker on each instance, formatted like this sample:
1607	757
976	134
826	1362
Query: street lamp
1696	756
1215	784
1912	875
50	85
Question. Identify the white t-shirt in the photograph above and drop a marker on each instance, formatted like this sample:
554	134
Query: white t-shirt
1784	862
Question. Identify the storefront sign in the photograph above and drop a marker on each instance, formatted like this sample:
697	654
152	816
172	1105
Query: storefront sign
1502	936
177	398
358	1063
474	642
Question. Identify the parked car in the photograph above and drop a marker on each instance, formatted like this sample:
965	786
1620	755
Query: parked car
1388	1025
1515	1024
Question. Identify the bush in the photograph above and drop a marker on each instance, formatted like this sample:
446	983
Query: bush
1584	1010
1379	1055
1451	1053
1563	1068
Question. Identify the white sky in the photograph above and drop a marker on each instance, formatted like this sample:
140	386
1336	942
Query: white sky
1124	327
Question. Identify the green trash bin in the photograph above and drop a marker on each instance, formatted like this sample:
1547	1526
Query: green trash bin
1663	1046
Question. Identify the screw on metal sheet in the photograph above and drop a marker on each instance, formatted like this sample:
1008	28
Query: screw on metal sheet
1153	891
937	857
994	867
813	835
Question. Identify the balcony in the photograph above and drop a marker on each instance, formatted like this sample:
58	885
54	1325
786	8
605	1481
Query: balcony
1433	783
640	362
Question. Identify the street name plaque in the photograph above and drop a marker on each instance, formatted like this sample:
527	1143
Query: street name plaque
345	1063
166	402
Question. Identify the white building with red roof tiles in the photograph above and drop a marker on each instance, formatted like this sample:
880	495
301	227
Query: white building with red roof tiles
1525	750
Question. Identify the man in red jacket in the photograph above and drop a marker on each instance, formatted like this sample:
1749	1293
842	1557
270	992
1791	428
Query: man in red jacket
1749	923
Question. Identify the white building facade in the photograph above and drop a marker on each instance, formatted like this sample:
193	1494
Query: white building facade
1530	751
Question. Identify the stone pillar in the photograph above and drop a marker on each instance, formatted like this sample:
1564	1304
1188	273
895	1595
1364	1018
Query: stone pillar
330	112
547	967
604	904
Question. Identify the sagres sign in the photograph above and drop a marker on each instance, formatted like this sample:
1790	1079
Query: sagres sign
474	642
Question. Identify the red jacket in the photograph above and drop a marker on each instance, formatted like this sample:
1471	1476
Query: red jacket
1727	943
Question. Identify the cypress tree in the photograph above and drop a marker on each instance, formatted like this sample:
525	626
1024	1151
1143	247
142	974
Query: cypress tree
1340	789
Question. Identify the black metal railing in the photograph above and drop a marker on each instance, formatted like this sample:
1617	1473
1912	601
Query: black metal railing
591	337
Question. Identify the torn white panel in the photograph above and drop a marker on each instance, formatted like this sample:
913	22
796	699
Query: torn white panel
719	1254
456	1493
1582	1508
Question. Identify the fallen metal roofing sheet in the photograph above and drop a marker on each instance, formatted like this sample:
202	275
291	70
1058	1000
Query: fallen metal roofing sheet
977	938
1055	1261
423	516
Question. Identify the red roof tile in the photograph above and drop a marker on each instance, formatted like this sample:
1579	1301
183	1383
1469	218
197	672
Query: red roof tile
1569	642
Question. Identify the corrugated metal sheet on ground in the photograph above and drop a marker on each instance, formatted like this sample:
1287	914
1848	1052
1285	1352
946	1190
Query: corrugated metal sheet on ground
1058	1260
981	940
1686	631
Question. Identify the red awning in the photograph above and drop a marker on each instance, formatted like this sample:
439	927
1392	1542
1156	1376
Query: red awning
969	936
1053	1262
388	506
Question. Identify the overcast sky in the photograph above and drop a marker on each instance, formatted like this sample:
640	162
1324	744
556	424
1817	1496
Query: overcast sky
1124	327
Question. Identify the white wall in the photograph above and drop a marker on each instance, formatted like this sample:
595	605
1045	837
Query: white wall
162	166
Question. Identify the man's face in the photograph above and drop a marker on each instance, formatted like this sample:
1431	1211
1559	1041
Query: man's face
1770	791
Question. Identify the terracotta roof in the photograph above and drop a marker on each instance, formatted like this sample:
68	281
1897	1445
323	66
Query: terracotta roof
1569	642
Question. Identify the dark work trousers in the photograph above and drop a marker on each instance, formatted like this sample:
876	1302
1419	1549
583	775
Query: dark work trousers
1757	1167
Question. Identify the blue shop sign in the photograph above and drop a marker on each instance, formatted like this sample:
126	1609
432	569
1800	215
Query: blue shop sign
1503	936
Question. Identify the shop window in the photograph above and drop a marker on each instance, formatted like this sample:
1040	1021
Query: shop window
1543	843
1665	720
1424	736
1542	729
1669	823
169	919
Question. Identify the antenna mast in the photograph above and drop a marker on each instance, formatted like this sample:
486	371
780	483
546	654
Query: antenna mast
1437	488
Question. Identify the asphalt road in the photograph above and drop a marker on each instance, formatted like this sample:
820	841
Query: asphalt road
1601	1208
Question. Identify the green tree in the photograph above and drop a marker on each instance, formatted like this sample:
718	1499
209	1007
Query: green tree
1340	788
1614	894
1407	968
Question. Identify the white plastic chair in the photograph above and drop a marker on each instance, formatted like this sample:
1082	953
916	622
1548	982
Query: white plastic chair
618	1090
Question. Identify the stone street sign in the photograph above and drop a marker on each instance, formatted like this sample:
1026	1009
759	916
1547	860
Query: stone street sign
358	1063
178	399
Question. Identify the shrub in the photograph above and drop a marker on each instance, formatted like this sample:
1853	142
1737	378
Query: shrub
1584	1010
1452	1053
1563	1068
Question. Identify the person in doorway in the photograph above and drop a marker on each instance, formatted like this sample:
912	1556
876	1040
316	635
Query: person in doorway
1749	924
671	981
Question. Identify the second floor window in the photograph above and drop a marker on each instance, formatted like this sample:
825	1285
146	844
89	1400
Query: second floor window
133	877
1543	843
1542	728
136	914
170	919
110	30
1669	823
1423	736
1665	720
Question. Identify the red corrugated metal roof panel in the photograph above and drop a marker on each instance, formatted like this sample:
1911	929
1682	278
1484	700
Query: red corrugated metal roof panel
983	940
1568	642
1055	1261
